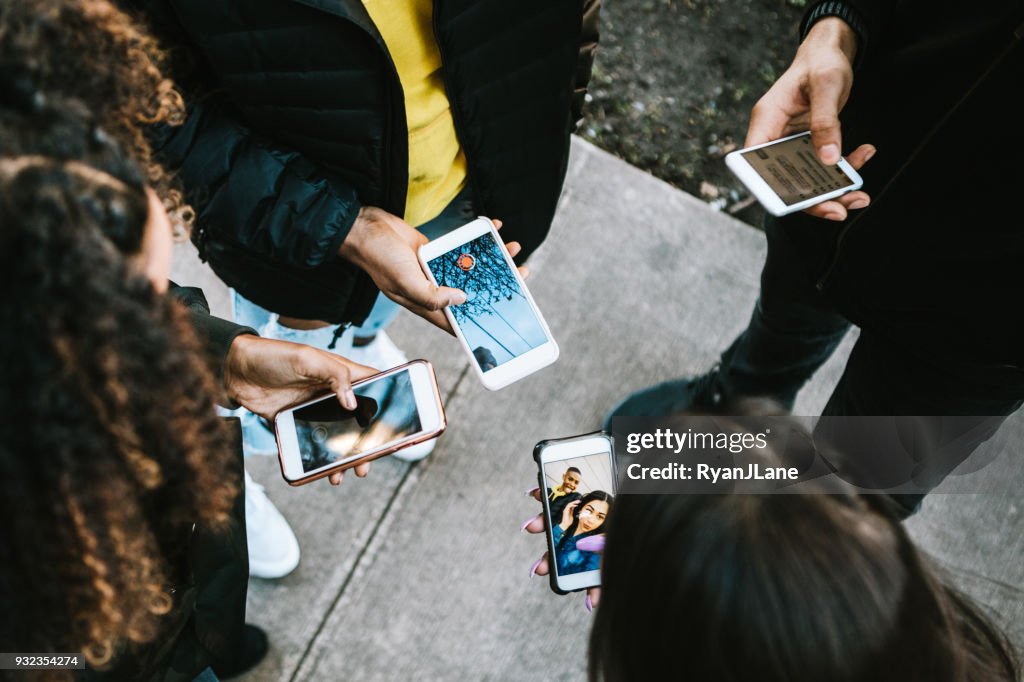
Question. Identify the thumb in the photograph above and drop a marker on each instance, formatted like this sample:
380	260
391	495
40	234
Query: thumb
826	93
432	297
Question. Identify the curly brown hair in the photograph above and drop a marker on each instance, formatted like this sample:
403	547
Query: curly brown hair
110	449
91	51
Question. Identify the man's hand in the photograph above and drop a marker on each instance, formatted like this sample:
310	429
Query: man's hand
810	95
385	247
266	376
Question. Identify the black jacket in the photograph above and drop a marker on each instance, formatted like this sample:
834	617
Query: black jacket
305	124
936	263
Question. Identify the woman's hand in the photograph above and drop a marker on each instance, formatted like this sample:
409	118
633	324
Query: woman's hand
265	376
536	525
567	514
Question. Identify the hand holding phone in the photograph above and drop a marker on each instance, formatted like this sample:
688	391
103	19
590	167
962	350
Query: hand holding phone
499	325
394	410
786	175
577	484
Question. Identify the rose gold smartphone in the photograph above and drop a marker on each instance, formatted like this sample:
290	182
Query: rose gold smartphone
395	409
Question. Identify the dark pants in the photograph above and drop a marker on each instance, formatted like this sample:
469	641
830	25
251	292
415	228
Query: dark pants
793	331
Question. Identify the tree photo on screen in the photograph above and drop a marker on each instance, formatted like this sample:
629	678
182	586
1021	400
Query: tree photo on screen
496	318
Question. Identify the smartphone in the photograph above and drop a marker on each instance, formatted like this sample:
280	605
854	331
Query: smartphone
786	175
499	325
395	409
577	483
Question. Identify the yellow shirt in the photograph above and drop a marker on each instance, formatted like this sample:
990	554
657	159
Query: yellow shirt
437	166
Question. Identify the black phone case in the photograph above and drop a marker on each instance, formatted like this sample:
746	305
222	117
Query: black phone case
537	450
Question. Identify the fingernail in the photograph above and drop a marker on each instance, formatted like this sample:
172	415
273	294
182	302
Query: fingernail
532	490
589	604
869	154
860	203
834	216
523	527
533	569
829	153
350	400
457	298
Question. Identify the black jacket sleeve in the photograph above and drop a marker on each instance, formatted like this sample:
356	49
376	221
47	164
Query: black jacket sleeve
269	200
215	334
588	47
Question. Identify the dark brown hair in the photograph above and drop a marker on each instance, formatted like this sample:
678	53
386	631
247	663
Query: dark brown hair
781	588
91	51
109	445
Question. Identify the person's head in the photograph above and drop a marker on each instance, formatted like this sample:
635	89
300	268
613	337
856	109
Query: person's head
91	51
780	588
571	479
109	444
35	125
589	516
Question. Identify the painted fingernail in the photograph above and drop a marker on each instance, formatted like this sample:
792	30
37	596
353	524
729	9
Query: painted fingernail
533	569
528	521
589	604
532	490
860	203
829	153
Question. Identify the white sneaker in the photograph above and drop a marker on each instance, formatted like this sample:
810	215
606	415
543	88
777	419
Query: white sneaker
383	354
273	548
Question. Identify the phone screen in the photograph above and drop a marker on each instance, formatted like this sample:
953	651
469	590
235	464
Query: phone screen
579	499
386	412
497	319
793	171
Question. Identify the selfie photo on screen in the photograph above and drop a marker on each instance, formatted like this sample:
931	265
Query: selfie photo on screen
385	412
496	319
579	498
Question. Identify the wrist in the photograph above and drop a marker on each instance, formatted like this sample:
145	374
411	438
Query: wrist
353	246
236	362
833	33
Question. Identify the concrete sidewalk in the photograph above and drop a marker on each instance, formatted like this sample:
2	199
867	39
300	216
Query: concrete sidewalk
419	571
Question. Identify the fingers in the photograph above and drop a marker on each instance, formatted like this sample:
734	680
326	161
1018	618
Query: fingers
826	91
336	478
513	248
768	120
524	272
860	156
497	223
593	543
593	596
540	567
534	492
534	524
362	470
829	210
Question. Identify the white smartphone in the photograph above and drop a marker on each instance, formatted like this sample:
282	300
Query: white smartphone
577	481
786	175
499	325
395	409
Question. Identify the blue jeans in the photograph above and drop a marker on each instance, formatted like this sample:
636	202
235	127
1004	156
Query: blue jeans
458	212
